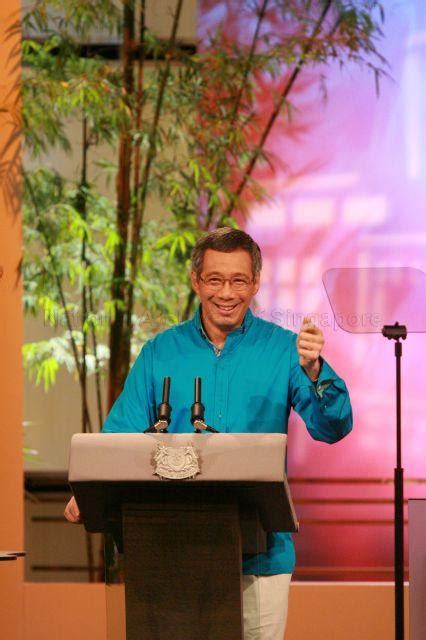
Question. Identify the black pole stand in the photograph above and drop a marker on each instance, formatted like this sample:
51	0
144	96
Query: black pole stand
398	332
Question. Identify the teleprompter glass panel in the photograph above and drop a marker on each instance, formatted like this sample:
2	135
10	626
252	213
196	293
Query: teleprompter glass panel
364	300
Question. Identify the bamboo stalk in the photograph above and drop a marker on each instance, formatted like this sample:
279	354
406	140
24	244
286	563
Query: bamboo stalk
142	196
97	366
83	211
119	351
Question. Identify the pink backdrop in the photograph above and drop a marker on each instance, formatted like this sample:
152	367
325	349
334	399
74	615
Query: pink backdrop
354	196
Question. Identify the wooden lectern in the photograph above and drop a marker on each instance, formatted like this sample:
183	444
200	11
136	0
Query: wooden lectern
183	538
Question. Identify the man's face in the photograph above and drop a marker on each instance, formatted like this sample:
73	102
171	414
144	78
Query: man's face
224	308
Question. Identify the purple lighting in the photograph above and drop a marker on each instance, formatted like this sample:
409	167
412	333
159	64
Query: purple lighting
349	191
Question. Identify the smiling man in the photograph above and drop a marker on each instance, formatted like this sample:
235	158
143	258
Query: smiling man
225	284
254	372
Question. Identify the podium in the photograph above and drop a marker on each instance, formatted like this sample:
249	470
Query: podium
183	538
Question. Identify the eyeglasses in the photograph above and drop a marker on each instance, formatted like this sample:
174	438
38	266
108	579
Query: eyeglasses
237	283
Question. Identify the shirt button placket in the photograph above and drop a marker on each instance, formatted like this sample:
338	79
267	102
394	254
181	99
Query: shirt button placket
222	393
218	412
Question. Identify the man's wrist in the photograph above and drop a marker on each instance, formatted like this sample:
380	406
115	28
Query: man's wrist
313	371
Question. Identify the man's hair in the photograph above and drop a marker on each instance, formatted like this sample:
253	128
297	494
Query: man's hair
227	240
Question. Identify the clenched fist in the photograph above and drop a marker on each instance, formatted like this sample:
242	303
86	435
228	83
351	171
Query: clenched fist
310	341
72	512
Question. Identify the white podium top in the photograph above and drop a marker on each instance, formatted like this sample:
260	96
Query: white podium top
224	457
110	469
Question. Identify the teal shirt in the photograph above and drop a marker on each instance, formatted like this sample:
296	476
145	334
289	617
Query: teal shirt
247	387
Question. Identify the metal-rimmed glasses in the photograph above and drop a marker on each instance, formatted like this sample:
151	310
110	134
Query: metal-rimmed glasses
237	283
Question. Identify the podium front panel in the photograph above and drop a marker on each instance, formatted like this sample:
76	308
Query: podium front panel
182	573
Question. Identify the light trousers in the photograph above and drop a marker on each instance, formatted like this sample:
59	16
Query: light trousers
265	604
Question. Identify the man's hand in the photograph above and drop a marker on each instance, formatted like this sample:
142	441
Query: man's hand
72	512
310	341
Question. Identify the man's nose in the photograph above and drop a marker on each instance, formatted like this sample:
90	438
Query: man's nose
226	290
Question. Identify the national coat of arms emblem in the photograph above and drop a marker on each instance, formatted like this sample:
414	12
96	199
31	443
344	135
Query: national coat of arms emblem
176	463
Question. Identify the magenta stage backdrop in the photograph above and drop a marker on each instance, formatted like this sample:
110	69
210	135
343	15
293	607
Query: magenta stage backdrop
353	195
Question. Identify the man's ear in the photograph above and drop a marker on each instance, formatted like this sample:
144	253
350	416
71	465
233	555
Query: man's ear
256	283
194	282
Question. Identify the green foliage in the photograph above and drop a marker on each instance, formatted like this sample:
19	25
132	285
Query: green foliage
42	361
73	16
53	221
58	85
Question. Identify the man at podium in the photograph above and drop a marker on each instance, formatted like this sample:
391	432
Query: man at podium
253	373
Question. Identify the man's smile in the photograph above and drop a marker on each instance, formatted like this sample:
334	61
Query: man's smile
226	308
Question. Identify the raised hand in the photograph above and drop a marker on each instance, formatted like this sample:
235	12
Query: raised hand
310	342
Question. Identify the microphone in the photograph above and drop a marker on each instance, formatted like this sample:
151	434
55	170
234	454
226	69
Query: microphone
197	410
164	410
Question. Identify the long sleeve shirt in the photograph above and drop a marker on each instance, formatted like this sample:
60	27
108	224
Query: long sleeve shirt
249	386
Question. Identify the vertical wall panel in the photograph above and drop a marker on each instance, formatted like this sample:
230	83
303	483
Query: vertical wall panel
11	503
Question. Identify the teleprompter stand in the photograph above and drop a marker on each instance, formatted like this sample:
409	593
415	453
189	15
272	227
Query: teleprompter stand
183	539
368	300
397	333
